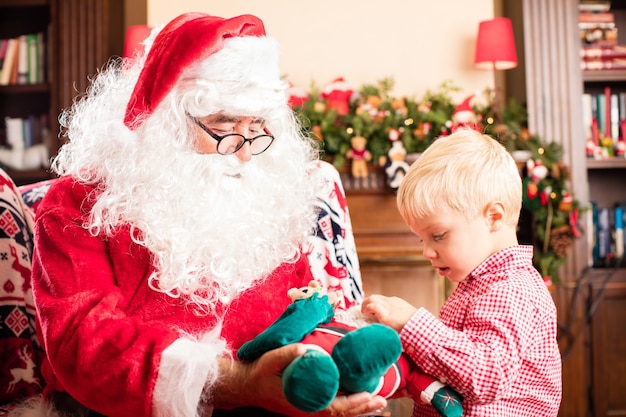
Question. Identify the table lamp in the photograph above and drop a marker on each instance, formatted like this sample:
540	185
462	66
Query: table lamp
495	50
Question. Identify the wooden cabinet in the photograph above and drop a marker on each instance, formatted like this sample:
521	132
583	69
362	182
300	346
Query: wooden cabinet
607	309
79	38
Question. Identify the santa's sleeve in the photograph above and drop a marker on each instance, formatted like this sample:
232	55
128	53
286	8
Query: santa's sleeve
111	362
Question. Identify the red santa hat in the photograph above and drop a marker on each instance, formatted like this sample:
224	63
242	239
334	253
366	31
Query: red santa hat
464	106
188	39
296	96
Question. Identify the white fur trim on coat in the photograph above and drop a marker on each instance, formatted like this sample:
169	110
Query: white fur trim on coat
187	367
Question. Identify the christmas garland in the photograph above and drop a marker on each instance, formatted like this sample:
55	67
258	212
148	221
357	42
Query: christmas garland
374	114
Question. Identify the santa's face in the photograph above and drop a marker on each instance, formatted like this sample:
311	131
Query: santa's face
217	223
242	136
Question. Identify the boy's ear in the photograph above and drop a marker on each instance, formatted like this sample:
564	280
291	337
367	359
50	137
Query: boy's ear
494	215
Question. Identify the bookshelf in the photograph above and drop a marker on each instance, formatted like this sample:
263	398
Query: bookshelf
79	38
22	17
604	306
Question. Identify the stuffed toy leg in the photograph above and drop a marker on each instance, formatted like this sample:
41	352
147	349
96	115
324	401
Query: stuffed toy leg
342	358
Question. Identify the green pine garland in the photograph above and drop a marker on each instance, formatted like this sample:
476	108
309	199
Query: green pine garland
374	113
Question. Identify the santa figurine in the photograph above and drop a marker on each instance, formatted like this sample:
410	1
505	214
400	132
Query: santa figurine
464	116
296	96
394	163
337	94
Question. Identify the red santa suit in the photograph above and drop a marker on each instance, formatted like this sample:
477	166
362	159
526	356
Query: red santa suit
114	316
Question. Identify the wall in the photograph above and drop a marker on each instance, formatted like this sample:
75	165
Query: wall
418	43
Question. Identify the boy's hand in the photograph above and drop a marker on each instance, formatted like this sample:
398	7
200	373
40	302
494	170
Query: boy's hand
392	311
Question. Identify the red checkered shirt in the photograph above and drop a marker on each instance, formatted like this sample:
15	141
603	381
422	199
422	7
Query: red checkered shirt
495	341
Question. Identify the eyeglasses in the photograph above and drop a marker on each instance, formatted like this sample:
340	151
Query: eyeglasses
230	143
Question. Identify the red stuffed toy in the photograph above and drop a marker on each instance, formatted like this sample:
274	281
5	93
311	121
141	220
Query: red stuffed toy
343	358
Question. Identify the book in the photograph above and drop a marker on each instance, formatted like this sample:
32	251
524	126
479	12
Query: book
32	41
621	102
619	231
22	60
607	112
596	17
590	52
594	6
604	237
42	58
9	58
593	236
3	52
14	132
615	117
16	61
603	64
601	112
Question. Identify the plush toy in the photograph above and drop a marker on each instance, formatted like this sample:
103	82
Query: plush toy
360	156
343	358
394	162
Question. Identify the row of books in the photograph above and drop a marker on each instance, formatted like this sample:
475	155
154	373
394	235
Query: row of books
604	117
26	132
597	28
600	49
607	238
22	59
602	57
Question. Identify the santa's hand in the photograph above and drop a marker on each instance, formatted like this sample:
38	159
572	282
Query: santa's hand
392	311
259	384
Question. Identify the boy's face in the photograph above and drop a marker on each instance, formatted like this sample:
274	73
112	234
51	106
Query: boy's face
453	244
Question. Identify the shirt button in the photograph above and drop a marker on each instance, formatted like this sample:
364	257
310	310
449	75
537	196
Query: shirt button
410	349
443	380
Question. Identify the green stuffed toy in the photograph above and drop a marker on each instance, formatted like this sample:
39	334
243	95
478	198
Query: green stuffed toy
343	358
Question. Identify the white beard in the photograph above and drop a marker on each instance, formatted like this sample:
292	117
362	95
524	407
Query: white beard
215	226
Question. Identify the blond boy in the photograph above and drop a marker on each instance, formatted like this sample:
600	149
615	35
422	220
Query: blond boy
495	338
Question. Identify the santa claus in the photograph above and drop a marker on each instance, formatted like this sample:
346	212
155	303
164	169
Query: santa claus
184	210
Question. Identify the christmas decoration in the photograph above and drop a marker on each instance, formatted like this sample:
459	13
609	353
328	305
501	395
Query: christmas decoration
395	125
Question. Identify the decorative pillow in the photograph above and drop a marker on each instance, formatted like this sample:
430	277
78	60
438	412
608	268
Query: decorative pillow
331	250
20	351
33	193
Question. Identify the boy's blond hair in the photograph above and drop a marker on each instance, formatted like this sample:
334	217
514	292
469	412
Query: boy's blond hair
464	172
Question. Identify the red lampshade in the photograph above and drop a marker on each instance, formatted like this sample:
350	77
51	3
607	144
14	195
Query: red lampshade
135	35
495	46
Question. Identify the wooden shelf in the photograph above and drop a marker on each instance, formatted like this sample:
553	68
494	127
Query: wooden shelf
23	3
23	177
606	163
604	76
25	88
